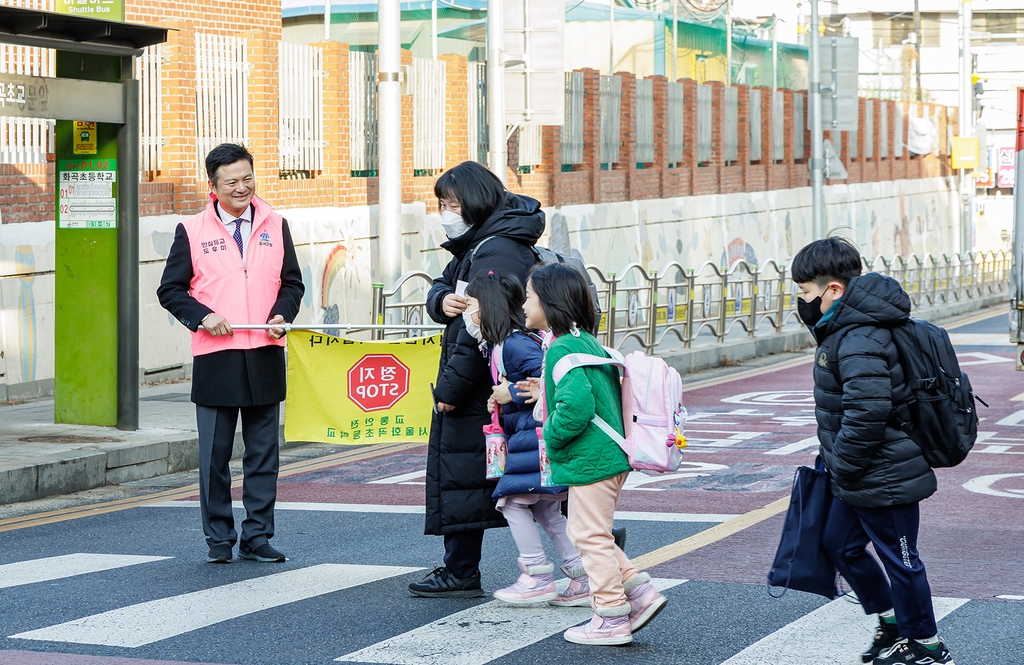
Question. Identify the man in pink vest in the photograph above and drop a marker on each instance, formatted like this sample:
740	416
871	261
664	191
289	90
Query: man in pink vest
235	263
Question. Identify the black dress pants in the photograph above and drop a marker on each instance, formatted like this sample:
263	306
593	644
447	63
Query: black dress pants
462	551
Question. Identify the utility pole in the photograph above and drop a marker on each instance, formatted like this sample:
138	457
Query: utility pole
817	164
433	28
327	20
497	152
611	37
389	138
966	126
728	42
675	39
1017	269
775	53
917	48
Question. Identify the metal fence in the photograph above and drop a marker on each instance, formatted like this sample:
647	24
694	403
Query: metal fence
645	121
755	125
362	103
428	114
883	132
778	126
732	121
222	93
703	123
869	129
711	301
798	125
675	122
301	116
611	102
149	69
531	145
572	129
478	128
25	140
897	131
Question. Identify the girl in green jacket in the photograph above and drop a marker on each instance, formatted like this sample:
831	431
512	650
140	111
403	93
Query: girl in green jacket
585	458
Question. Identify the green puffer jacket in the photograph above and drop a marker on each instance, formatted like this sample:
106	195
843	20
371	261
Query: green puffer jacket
580	453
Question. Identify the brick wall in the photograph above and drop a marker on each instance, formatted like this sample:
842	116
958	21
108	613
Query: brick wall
26	192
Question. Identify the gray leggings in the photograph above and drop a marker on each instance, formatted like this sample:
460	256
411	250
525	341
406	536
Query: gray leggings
549	516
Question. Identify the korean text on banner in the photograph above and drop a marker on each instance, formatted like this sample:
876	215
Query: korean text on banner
352	392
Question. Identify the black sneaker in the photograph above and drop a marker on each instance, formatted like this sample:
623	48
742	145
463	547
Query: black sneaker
264	553
440	583
219	554
886	635
619	535
912	652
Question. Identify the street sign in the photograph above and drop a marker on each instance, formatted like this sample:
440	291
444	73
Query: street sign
965	152
534	48
377	382
839	58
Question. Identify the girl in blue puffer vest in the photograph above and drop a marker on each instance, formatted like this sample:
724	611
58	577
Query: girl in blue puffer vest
494	315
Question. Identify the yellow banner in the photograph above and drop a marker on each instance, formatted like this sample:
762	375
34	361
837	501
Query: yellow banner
347	391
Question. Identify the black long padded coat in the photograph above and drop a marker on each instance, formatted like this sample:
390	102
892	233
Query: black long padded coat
874	464
458	492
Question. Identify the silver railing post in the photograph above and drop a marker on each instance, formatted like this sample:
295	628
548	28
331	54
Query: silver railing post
652	330
722	304
612	297
753	302
691	289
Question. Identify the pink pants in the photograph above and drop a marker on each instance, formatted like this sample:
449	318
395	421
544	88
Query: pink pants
591	511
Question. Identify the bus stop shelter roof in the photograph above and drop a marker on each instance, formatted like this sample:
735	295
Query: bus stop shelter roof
77	34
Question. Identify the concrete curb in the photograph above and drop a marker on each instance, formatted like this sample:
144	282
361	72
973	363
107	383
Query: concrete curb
83	469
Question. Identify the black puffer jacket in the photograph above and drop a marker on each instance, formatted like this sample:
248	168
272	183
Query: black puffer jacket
874	463
458	492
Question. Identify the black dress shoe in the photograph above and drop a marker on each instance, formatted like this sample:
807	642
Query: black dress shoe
264	553
219	554
620	537
442	584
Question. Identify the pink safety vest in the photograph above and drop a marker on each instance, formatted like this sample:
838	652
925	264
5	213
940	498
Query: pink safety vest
240	293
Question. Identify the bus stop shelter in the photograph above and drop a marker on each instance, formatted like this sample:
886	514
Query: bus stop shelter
95	101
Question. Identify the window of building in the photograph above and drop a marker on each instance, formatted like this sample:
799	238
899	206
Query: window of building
989	25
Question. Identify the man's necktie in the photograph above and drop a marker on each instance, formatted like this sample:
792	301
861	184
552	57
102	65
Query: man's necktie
238	236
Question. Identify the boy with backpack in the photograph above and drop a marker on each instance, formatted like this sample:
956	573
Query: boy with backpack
879	475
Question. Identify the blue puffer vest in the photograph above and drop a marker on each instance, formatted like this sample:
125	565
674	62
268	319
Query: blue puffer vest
522	358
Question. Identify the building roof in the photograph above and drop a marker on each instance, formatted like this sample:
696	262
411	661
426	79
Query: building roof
32	27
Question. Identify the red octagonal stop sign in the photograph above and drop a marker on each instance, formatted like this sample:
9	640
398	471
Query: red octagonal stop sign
377	382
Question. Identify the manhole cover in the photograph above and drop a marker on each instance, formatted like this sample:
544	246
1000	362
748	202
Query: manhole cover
69	438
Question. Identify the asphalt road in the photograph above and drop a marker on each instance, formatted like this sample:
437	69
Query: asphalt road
105	577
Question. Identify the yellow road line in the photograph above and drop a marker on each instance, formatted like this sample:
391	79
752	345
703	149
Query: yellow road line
712	535
64	514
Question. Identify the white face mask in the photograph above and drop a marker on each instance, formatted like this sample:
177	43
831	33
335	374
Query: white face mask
472	328
454	225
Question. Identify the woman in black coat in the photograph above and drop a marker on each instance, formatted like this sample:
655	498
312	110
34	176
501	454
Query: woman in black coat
489	230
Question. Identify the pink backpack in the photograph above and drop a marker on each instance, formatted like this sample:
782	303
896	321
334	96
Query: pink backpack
652	407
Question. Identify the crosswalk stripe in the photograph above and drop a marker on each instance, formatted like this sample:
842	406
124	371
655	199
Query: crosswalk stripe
833	634
145	623
478	635
68	565
627	515
789	449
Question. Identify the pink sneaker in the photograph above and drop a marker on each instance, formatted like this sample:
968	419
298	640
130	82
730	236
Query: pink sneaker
610	627
577	594
535	585
644	601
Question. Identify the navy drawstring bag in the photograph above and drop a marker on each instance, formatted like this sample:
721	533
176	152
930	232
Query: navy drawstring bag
801	562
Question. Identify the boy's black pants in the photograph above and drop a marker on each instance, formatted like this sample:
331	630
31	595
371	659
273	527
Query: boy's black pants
893	532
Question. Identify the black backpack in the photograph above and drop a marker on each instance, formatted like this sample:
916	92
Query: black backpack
943	417
546	256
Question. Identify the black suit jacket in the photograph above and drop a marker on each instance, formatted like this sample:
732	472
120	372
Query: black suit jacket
234	377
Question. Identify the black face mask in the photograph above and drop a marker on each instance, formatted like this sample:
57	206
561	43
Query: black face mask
810	312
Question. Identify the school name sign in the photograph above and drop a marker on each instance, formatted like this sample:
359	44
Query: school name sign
353	392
